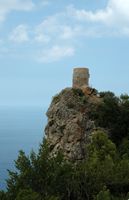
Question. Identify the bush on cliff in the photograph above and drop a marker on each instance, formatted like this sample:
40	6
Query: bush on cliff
113	115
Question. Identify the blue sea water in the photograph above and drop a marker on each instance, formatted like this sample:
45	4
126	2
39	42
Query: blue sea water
20	129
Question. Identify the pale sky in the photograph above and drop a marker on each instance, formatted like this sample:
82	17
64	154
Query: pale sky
42	40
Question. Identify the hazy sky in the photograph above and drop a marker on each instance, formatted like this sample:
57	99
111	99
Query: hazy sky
42	40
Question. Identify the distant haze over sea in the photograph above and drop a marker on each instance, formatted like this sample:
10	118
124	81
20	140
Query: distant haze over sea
21	128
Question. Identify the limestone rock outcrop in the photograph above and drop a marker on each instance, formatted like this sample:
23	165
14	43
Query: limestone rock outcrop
69	126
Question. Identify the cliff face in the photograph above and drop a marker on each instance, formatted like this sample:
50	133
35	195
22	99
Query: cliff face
69	126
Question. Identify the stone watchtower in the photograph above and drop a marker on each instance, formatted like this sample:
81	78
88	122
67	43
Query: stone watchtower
81	77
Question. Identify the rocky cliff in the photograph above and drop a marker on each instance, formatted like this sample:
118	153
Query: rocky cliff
69	126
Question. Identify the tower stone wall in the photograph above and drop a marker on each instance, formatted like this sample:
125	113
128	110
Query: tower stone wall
80	77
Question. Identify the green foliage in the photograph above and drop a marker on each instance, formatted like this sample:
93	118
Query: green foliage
43	175
113	115
124	98
51	198
78	92
100	164
103	175
101	146
3	195
27	195
103	195
124	147
82	97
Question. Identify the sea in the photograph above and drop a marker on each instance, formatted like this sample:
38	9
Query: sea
21	128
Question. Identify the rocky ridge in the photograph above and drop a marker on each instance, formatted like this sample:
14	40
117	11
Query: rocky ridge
69	127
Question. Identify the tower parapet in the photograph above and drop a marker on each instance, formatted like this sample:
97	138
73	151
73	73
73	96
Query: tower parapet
80	77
